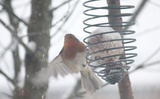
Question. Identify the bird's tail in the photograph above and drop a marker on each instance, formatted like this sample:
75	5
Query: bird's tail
90	81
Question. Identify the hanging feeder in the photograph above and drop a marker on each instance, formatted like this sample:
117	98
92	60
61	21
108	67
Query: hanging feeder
103	64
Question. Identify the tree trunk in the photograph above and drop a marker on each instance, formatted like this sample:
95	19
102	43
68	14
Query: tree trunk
125	89
39	25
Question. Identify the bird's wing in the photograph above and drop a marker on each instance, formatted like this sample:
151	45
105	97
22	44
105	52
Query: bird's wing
55	68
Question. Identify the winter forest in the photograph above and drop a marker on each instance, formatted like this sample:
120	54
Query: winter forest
32	34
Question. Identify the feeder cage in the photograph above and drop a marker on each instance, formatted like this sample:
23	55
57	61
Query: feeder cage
105	66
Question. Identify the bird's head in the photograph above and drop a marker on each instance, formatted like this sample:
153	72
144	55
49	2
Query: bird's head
72	46
70	37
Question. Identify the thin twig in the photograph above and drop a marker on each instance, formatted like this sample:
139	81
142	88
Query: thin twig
14	14
142	66
67	18
65	2
6	94
155	4
14	34
150	30
33	34
152	55
8	78
6	49
141	6
60	20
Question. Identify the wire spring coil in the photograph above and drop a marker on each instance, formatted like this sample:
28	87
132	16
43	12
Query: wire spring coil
110	74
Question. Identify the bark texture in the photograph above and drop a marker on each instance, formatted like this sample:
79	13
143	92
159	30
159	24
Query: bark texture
39	25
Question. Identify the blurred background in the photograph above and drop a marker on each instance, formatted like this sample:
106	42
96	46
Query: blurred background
32	34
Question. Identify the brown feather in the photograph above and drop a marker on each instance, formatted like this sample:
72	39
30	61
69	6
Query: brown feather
72	46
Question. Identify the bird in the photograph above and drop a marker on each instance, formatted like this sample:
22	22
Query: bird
70	60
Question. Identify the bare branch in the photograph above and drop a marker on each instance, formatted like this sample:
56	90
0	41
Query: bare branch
8	78
151	64
14	34
60	20
6	49
6	94
33	34
65	2
141	6
150	30
14	43
152	55
142	66
13	14
67	18
155	4
13	20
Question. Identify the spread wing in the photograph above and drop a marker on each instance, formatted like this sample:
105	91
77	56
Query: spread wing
55	68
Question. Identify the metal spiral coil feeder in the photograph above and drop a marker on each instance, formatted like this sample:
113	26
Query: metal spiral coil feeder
116	73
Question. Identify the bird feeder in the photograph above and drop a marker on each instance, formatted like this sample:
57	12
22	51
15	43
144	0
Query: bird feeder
111	74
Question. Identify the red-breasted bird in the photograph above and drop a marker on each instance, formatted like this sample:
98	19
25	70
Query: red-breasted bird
71	59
